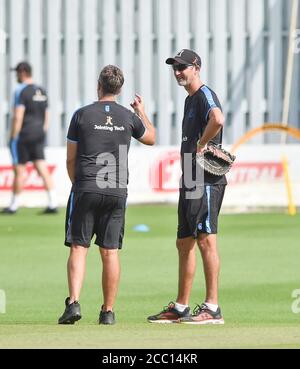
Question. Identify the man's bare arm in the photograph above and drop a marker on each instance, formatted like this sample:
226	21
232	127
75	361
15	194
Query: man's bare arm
71	159
17	121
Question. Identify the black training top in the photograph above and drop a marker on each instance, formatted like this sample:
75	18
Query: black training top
196	115
35	101
103	131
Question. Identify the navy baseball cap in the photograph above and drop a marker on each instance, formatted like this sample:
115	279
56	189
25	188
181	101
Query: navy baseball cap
185	56
22	67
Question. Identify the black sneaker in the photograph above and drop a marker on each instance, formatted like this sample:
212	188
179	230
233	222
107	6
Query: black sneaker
8	211
50	211
107	317
169	314
71	314
203	315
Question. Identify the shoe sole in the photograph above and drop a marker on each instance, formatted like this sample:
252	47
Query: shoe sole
205	322
163	321
102	323
71	320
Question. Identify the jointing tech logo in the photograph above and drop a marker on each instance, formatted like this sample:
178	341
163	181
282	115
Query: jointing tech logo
109	126
109	120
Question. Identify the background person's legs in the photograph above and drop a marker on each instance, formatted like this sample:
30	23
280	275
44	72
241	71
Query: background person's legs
19	178
41	167
110	276
18	184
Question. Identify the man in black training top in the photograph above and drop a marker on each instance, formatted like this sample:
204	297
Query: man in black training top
97	150
198	207
29	126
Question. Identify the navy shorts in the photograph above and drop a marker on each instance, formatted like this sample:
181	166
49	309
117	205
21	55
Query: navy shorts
22	152
90	214
200	215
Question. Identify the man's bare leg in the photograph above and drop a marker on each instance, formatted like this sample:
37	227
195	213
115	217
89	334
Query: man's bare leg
18	184
187	268
110	276
42	169
76	270
207	244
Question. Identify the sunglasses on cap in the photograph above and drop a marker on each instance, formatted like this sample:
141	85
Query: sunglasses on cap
181	67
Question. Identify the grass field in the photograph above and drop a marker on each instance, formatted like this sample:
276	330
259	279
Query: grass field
260	268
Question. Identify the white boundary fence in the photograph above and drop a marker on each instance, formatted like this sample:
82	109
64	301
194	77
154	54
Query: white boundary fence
243	44
255	181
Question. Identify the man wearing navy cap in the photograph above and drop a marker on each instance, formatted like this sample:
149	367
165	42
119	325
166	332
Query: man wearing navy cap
28	130
197	215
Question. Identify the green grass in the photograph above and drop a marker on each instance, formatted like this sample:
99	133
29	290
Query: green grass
260	256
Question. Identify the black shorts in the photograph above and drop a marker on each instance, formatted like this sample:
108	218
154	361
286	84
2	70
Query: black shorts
93	213
22	152
200	215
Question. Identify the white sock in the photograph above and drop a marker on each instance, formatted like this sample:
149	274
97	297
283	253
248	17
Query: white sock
14	202
212	307
180	307
52	199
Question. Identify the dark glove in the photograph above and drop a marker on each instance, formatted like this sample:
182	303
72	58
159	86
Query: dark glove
215	160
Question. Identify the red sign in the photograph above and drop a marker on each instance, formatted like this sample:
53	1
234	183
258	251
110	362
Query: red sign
32	182
255	172
166	172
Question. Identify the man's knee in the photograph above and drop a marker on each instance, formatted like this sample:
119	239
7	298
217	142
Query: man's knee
108	253
40	166
19	170
205	241
185	244
78	249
